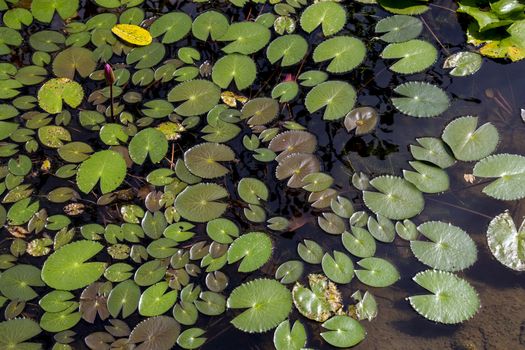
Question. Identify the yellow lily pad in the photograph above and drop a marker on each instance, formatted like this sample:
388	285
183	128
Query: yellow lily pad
132	34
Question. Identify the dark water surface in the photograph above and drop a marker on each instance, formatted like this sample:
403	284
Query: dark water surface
500	324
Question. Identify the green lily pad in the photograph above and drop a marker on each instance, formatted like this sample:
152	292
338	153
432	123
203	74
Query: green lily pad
396	198
289	49
234	67
52	93
414	56
421	100
267	303
245	37
343	331
331	16
199	203
338	268
155	301
15	332
285	338
399	28
197	97
203	159
107	166
449	248
344	52
469	142
148	142
16	283
337	96
463	63
378	272
66	268
253	248
452	299
427	178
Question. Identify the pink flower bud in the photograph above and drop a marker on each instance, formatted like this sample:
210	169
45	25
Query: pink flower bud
108	73
289	77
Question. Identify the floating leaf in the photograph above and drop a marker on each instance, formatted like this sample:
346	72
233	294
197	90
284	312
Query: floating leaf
337	96
252	190
432	150
344	331
378	273
449	248
428	178
132	34
199	203
399	28
267	303
260	110
453	300
339	269
148	142
310	251
420	99
16	282
295	167
66	268
210	24
290	49
234	67
203	160
155	333
107	166
318	302
246	37
344	52
359	243
404	7
414	56
506	242
14	333
469	142
74	59
52	93
285	338
289	271
197	97
509	169
154	301
253	248
362	119
43	10
397	199
191	338
463	63
330	15
174	26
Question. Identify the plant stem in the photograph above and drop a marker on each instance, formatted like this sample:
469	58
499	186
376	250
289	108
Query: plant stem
111	98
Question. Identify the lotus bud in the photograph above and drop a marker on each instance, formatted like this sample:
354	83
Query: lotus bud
109	74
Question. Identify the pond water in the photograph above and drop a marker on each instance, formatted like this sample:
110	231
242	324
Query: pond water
494	94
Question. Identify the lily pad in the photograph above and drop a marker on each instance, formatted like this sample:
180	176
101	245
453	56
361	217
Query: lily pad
203	160
449	248
267	303
197	97
253	248
107	166
199	203
331	16
52	93
66	268
452	299
397	198
344	52
399	28
506	242
343	331
467	141
420	99
337	96
414	56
